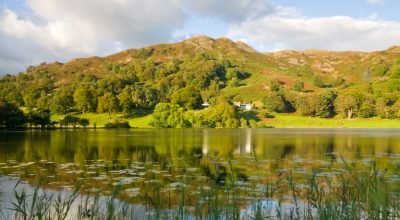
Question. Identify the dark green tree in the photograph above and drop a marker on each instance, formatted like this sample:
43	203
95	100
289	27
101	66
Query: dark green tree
11	116
274	102
188	98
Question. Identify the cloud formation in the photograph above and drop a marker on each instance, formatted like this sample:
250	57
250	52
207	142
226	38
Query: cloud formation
63	29
331	33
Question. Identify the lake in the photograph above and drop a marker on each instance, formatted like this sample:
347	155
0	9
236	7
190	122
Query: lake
228	173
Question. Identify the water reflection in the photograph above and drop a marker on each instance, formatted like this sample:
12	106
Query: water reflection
152	145
159	164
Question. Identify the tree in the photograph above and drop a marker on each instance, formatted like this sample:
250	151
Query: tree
69	120
167	115
388	106
107	103
274	102
348	104
40	117
367	108
85	99
62	101
43	101
223	115
125	102
161	114
83	122
11	116
188	98
325	104
306	105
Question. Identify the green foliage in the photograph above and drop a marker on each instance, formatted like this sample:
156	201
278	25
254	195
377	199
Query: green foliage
85	99
84	122
222	115
306	105
324	106
388	106
319	82
274	102
298	86
117	123
380	70
393	85
107	103
11	116
167	115
274	85
367	108
40	117
348	103
185	75
69	120
188	98
337	81
125	102
266	114
62	101
394	71
143	53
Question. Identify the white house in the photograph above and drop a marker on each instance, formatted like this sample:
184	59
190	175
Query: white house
246	106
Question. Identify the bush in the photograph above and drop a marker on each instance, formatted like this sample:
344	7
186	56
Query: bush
143	53
258	124
266	114
298	86
117	124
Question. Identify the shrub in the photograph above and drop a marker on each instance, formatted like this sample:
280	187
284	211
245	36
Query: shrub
117	124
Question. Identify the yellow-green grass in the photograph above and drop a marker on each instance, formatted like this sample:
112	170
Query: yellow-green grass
295	121
142	120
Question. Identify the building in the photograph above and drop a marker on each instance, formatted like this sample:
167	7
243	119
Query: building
245	106
205	105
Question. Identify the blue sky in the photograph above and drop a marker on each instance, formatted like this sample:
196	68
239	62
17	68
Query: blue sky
387	9
33	31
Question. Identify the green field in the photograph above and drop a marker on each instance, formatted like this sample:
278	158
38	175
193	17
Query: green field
295	121
142	119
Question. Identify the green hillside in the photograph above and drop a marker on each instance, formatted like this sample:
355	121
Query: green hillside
183	75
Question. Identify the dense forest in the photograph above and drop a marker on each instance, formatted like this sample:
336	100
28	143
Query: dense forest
173	81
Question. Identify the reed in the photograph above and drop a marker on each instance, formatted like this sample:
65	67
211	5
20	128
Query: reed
359	192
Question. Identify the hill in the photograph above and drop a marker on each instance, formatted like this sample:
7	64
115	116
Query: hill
203	69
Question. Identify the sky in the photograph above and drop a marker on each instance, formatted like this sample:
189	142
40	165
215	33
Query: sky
35	31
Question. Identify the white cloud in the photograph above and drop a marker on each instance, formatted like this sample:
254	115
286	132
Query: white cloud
64	29
374	2
332	33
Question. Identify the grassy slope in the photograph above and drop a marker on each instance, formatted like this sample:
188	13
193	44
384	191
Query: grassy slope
295	121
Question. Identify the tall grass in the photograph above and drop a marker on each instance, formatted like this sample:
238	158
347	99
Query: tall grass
355	193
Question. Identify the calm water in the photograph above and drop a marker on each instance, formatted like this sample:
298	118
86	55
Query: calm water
164	164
